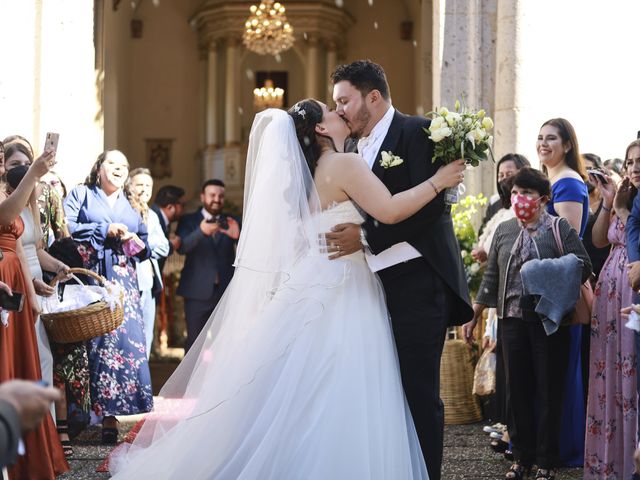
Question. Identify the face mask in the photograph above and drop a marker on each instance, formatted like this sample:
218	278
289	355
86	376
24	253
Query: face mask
524	207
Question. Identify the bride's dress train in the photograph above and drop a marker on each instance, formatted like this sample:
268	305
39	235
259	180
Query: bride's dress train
302	382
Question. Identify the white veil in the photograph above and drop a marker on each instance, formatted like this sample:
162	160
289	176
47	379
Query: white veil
247	334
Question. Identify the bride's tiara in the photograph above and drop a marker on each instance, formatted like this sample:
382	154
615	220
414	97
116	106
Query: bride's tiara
300	111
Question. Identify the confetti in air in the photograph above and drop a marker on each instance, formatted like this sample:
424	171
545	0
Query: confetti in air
415	43
306	141
339	3
371	3
278	58
306	37
375	25
249	74
240	110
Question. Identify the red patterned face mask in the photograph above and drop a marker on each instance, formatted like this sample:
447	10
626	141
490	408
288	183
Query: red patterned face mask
524	207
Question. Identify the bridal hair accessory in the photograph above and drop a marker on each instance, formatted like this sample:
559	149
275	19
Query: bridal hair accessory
389	160
300	111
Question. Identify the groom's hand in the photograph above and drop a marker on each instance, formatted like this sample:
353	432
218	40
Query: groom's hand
344	239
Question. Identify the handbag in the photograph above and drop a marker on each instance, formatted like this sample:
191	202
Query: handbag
582	312
484	377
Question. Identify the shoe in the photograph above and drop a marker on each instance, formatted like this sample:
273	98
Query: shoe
496	435
496	427
517	472
63	429
109	436
508	455
544	474
498	446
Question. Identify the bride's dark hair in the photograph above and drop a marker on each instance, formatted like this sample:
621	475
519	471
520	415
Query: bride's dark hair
306	115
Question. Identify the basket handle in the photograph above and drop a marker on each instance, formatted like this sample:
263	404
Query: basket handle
83	271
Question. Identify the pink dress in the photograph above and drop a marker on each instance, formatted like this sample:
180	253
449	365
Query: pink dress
612	404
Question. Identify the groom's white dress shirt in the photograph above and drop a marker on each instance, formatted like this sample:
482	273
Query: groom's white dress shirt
368	147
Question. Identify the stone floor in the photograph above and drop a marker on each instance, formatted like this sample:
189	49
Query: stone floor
467	456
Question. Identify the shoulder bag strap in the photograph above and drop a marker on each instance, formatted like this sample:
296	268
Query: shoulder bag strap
556	234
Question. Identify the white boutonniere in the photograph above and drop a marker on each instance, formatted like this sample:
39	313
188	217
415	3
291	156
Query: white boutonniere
389	160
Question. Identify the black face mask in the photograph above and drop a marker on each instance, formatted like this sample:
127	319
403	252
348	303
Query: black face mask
15	175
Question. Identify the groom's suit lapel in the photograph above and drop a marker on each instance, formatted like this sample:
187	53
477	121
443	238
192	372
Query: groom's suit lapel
389	144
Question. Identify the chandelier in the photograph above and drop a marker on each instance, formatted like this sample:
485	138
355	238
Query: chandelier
267	31
267	96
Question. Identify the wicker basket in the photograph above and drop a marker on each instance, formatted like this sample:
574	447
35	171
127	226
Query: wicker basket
83	323
456	384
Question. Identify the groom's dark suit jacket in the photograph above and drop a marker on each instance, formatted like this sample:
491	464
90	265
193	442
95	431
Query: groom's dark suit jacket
430	231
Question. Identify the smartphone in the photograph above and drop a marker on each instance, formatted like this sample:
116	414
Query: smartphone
599	175
51	142
13	303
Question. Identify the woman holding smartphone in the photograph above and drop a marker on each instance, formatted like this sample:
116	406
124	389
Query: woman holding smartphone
44	457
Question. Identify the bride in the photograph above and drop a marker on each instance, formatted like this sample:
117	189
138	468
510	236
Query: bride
295	376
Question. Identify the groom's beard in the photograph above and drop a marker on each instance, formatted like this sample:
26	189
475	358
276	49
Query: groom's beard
360	121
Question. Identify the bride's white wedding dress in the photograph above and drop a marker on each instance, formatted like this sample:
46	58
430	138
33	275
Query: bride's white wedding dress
302	385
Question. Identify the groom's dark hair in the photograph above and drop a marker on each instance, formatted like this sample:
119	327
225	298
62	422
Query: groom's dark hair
365	75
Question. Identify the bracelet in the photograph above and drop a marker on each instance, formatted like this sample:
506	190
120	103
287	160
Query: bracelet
605	208
434	186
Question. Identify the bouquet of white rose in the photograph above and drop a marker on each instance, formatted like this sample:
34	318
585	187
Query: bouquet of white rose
460	134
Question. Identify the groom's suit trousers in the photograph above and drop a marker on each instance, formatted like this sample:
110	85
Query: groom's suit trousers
420	304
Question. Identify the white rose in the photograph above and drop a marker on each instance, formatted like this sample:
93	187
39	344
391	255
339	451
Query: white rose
479	134
481	113
443	111
437	123
439	134
452	118
487	123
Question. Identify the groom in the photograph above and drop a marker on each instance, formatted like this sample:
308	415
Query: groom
418	260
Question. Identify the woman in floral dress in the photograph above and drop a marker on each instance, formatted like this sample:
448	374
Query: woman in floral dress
612	402
100	216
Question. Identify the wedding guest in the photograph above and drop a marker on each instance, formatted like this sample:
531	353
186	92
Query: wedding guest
535	362
44	457
612	401
208	239
492	335
559	155
506	167
169	206
139	188
101	217
597	255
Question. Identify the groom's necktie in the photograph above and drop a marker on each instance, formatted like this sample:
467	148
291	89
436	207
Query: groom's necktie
362	144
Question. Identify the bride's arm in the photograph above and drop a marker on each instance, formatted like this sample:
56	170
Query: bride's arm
361	185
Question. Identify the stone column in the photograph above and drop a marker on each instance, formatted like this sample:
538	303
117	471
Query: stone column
211	128
312	68
332	60
507	115
212	161
468	68
230	114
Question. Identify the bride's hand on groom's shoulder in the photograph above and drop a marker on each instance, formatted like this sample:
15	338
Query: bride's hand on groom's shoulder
450	175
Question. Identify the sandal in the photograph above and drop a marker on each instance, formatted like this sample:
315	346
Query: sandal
545	474
63	429
517	472
109	436
508	455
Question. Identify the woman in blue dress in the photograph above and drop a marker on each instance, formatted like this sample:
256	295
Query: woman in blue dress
103	220
559	155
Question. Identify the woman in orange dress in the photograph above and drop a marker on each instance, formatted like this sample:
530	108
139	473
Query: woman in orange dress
43	458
